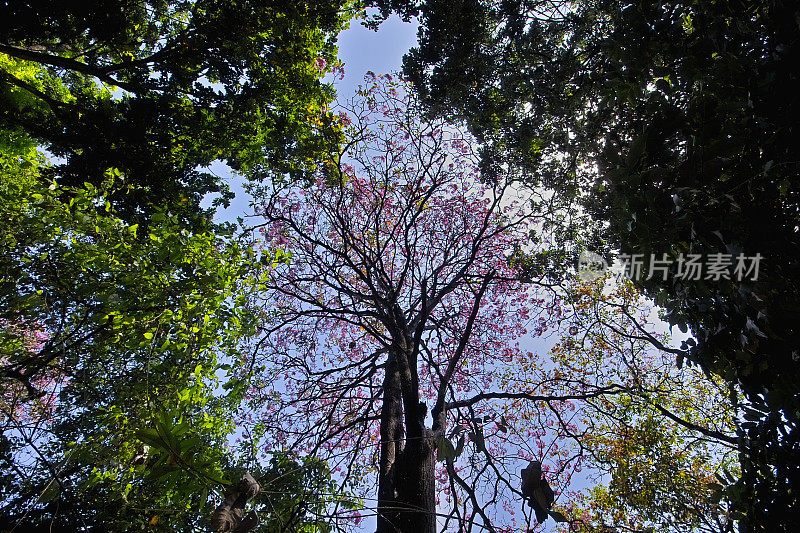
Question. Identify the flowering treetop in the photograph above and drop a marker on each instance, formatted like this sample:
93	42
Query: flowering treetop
398	260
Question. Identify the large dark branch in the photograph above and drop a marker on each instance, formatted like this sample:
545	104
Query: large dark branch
55	105
66	63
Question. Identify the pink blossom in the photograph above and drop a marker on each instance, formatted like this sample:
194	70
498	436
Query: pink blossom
320	63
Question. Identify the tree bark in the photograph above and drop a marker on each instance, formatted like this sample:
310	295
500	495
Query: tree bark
406	482
391	432
416	483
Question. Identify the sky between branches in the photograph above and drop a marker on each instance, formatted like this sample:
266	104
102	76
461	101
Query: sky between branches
361	50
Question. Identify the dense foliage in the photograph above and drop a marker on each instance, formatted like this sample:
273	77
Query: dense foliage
159	90
120	302
115	343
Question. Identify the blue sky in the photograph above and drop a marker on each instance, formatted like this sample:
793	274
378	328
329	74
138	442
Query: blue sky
381	52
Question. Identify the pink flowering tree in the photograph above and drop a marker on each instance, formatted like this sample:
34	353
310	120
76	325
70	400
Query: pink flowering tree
27	403
386	329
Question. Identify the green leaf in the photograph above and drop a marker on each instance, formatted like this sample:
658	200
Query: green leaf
150	437
444	449
460	445
217	477
51	491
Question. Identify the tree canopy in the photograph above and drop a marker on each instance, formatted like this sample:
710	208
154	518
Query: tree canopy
393	296
121	302
361	346
159	90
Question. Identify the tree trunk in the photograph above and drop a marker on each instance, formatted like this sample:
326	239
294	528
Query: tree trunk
406	482
390	445
416	483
